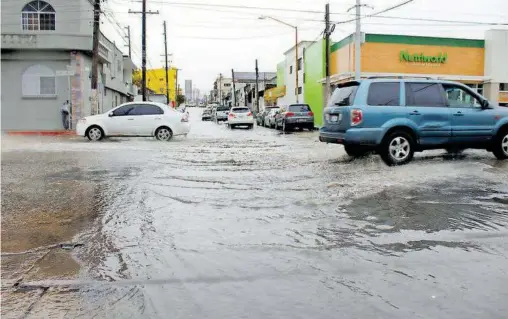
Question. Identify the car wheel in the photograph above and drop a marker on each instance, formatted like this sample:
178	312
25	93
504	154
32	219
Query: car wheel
251	126
356	151
163	133
500	148
231	126
397	148
95	133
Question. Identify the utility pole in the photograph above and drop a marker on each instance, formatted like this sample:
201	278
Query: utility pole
166	56
220	88
143	46
177	91
256	93
234	90
327	58
129	40
358	43
95	55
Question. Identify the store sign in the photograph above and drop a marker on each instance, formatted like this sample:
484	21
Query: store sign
420	57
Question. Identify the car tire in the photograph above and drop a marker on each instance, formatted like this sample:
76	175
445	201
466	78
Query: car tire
163	133
251	126
231	126
356	150
95	133
397	148
500	147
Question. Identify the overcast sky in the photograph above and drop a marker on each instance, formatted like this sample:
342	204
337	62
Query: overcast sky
208	40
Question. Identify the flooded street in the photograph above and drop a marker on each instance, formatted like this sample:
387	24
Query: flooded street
248	224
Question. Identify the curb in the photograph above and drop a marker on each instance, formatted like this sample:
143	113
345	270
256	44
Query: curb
42	133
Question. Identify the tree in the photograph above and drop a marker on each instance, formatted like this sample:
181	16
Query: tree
180	99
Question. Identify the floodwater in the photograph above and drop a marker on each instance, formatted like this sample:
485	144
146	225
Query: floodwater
248	224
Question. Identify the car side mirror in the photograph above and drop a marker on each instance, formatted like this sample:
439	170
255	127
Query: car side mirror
485	104
110	114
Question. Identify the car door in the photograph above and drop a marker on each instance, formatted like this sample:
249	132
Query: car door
428	110
470	122
120	121
147	118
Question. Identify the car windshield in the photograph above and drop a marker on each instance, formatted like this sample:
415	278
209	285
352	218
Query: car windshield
240	110
222	108
299	108
343	96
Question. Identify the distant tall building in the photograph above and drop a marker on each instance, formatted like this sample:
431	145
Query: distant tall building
188	90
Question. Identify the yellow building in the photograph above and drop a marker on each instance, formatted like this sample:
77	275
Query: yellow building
156	81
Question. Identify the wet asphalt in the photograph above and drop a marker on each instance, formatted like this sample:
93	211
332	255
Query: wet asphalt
248	224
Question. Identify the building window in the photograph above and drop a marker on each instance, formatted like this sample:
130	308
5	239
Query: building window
300	89
304	78
503	87
38	15
300	64
38	80
290	69
227	85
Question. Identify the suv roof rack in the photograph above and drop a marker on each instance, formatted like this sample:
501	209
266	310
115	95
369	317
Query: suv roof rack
401	77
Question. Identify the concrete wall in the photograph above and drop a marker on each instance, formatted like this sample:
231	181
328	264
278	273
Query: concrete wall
73	26
496	54
23	113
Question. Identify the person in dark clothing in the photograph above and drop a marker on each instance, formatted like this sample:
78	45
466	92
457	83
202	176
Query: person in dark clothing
65	114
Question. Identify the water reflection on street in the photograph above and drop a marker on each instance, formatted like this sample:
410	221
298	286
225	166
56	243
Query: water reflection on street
248	223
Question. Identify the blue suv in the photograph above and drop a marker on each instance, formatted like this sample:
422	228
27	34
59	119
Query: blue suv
397	117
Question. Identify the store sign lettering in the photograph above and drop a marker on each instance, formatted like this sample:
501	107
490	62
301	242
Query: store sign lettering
420	57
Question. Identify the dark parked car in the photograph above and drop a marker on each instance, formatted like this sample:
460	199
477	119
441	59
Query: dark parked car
295	115
207	114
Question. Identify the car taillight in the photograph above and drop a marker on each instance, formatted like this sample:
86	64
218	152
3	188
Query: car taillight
289	114
250	114
356	116
310	114
231	115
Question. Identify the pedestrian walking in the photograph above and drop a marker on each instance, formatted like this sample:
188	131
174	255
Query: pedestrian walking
65	114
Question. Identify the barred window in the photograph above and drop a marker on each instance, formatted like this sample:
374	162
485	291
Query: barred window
38	80
38	15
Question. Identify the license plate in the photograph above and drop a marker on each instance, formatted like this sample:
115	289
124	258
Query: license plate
301	120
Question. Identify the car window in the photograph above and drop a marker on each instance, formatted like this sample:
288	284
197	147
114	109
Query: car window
146	109
459	97
222	108
123	110
343	96
424	94
299	108
240	110
384	93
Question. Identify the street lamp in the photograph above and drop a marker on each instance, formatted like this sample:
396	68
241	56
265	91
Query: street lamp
296	46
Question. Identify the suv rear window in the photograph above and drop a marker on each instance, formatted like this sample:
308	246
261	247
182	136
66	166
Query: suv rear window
222	108
299	108
240	110
343	96
384	93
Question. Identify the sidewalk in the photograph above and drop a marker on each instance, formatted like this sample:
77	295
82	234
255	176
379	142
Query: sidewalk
42	133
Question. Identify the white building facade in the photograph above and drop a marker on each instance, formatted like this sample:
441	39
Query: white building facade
291	68
46	60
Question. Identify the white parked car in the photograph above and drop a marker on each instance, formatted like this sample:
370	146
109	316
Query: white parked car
240	116
135	119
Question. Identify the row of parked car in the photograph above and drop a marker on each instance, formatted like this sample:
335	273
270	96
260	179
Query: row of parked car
233	116
286	118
